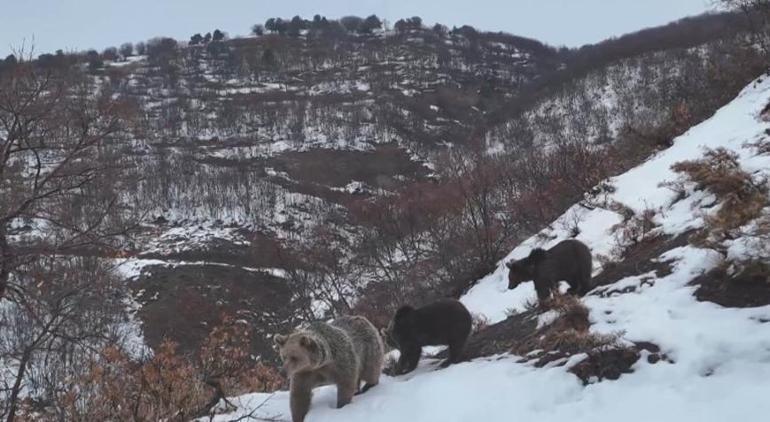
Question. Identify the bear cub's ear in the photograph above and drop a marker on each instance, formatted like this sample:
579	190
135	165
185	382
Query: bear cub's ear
537	255
280	339
403	313
510	264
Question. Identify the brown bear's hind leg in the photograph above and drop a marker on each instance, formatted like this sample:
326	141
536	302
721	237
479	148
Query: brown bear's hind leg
371	375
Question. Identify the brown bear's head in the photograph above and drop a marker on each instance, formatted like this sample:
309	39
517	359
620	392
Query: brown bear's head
524	269
299	352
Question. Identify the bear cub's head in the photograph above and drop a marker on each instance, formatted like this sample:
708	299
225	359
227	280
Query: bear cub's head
299	352
524	269
399	331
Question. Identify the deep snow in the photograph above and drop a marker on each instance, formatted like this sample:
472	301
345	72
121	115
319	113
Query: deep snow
721	356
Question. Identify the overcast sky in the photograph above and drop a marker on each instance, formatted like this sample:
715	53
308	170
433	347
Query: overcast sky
84	24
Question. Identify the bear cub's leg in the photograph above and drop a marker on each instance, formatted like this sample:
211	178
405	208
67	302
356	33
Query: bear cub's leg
408	360
455	352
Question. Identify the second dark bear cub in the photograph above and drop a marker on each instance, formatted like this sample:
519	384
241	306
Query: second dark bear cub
569	260
443	322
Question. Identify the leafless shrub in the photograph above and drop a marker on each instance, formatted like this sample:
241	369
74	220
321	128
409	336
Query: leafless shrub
70	307
63	204
54	171
168	385
634	229
762	146
569	333
742	199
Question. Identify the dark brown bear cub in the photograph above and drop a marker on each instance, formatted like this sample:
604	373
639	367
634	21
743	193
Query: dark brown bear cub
569	260
444	322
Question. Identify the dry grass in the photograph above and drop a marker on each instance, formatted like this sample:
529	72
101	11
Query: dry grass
572	342
762	146
634	229
753	271
573	314
569	333
741	198
168	385
480	322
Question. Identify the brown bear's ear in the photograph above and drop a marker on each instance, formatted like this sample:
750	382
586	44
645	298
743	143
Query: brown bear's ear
280	339
307	343
510	264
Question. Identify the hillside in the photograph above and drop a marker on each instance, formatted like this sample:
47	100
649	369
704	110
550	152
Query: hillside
255	145
701	360
170	206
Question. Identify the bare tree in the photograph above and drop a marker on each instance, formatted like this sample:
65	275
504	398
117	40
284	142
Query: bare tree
758	16
55	135
61	178
55	326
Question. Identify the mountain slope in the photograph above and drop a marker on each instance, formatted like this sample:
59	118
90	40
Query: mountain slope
248	148
717	359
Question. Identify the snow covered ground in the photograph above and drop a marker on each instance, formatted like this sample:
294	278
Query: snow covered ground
720	367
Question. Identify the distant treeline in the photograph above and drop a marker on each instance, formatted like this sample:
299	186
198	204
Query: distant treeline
685	33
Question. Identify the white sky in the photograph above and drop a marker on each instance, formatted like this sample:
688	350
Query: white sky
84	24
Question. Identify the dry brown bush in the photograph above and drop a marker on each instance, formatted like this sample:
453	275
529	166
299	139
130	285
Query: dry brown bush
569	333
742	199
762	146
168	386
634	229
753	271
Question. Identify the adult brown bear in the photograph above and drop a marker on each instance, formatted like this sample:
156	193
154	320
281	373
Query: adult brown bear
569	260
344	352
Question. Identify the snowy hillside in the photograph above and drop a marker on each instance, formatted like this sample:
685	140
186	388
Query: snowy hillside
718	358
248	148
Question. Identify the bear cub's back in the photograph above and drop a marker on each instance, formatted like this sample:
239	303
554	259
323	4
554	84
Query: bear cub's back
441	321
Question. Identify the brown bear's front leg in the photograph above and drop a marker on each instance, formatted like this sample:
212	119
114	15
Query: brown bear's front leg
346	389
301	395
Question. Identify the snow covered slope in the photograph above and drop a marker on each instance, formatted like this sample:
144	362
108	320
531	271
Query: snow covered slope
720	357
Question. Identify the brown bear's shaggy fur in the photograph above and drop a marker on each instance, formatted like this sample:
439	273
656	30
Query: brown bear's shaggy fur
569	260
344	352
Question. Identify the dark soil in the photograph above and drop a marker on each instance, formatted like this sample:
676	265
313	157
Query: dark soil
184	303
743	290
605	365
501	337
261	252
640	259
332	168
